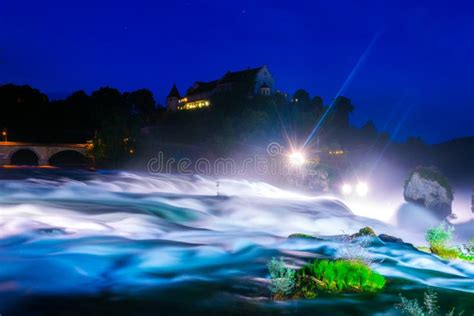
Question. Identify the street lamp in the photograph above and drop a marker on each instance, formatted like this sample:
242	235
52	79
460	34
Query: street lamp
5	135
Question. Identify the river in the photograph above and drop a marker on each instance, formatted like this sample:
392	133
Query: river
127	243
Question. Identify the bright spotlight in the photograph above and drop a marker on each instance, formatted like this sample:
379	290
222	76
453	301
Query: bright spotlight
297	158
362	189
346	189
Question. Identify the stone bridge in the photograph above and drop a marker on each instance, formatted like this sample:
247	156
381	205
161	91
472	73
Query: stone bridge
42	151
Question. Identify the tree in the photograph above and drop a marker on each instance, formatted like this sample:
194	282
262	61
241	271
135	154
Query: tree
142	104
302	99
116	125
416	142
24	111
369	131
317	105
439	236
112	140
343	107
80	111
253	125
107	101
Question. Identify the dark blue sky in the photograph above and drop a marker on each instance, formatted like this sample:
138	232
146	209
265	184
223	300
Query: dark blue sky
418	76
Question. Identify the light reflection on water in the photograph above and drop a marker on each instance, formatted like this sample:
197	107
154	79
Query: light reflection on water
127	235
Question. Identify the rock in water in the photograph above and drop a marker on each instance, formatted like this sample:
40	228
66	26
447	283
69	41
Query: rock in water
429	188
388	238
300	235
364	232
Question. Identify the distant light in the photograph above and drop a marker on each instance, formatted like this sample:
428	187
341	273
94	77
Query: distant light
297	158
362	189
336	152
346	189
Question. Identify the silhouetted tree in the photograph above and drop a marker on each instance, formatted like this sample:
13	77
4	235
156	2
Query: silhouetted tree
317	105
342	109
142	104
369	131
302	98
23	110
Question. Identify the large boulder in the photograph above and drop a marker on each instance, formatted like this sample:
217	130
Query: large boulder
429	188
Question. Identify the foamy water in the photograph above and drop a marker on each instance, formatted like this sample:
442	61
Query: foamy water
122	233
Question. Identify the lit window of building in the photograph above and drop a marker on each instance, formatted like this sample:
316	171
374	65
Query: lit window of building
199	104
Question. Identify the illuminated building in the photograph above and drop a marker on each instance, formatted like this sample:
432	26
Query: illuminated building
251	82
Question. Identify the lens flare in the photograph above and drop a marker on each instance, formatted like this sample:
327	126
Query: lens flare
362	189
297	158
346	189
346	83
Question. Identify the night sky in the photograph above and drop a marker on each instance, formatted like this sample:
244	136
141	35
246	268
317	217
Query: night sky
416	79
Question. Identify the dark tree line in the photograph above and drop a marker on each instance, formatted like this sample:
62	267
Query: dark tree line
125	125
107	117
114	121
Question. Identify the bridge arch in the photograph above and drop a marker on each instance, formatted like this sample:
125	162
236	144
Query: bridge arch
25	156
67	158
44	152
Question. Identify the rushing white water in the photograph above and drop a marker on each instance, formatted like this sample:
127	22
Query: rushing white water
86	233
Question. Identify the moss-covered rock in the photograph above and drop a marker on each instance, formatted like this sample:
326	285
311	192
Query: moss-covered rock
337	276
366	231
446	253
449	253
301	235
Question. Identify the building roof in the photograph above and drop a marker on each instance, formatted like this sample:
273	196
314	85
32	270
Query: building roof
201	87
174	92
241	75
247	75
